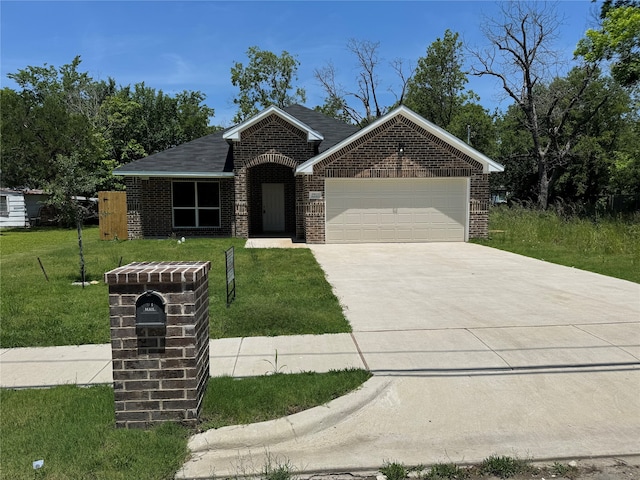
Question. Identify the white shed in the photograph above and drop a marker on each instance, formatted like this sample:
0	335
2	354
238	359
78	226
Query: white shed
13	209
21	208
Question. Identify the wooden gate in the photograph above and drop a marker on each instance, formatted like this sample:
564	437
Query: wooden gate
112	210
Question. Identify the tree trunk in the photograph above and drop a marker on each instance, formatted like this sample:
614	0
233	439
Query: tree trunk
544	182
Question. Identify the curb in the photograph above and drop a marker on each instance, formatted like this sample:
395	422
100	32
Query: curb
282	429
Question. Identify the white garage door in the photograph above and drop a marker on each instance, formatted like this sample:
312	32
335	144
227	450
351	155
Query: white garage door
396	210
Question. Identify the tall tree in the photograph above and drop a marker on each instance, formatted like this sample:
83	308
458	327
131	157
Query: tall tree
521	56
52	115
140	121
336	108
437	89
475	125
597	136
266	80
63	111
617	40
597	126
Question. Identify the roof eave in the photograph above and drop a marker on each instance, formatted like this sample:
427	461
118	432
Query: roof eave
155	173
234	134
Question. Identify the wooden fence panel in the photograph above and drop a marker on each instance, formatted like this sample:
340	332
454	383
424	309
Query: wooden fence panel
112	210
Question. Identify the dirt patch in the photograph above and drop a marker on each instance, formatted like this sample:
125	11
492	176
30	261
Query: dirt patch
591	469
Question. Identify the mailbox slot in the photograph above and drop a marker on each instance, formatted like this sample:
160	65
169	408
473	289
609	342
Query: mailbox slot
150	311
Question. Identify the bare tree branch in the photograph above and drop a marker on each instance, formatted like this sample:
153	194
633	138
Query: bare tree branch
398	66
521	57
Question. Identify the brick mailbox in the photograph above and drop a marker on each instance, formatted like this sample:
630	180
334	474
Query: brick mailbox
159	315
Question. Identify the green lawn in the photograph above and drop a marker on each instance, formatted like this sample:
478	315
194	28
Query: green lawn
72	428
279	291
609	246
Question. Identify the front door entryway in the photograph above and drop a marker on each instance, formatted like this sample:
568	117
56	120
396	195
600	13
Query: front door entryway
273	207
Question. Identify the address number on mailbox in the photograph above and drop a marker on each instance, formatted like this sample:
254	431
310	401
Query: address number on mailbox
150	311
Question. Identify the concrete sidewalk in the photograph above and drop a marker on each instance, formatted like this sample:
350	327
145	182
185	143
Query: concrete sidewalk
417	353
37	367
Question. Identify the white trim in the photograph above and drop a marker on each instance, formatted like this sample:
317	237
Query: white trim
489	165
152	173
234	133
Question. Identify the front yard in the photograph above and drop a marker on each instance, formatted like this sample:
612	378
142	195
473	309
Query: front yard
279	291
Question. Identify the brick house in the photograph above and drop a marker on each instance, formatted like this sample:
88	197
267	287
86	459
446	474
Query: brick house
296	172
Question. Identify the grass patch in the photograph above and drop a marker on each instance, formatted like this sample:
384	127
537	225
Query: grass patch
394	470
449	471
237	401
72	428
609	246
564	470
279	291
503	467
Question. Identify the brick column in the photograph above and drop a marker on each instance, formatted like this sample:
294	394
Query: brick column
159	373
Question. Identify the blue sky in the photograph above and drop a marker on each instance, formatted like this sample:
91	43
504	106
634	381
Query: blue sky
192	45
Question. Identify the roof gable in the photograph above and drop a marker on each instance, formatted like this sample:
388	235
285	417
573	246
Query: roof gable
235	133
488	164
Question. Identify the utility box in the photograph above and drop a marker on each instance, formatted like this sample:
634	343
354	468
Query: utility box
159	313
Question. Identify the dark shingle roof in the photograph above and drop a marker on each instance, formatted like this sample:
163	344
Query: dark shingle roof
333	131
211	154
208	154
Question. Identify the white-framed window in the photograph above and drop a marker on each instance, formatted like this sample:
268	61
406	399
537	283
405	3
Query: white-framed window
196	204
4	206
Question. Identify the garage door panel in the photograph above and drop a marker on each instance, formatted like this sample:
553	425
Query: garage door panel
386	219
395	210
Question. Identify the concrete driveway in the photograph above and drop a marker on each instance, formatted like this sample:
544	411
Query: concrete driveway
475	351
446	307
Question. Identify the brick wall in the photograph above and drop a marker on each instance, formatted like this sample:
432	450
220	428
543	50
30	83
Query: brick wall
134	207
159	374
268	152
479	206
150	215
375	155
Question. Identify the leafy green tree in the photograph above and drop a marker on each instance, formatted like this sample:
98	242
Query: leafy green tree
140	121
616	41
437	89
475	125
63	111
50	116
266	80
334	107
594	141
514	151
597	126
